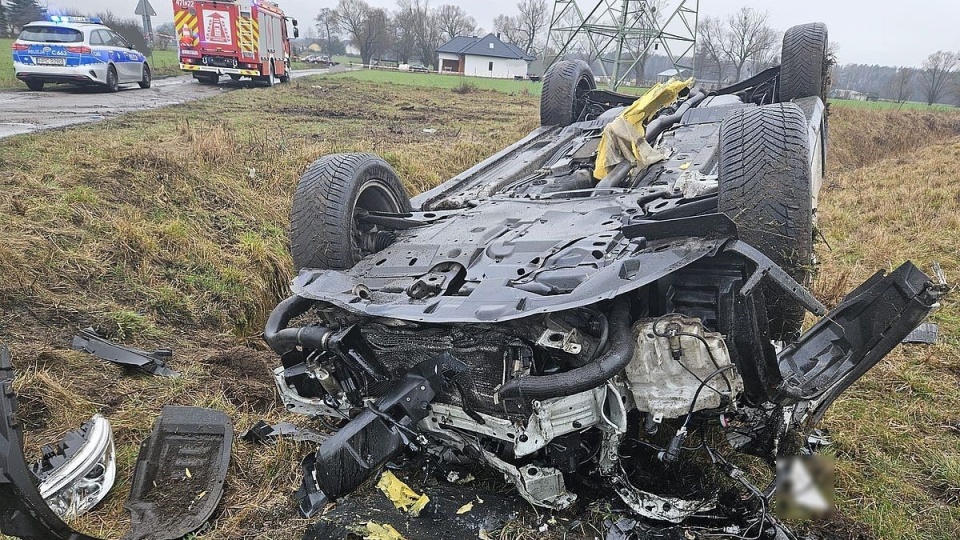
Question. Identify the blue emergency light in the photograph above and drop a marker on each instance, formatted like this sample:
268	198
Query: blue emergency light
71	19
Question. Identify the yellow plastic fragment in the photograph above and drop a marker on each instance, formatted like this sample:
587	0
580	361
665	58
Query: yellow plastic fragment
685	166
376	531
465	508
623	138
400	494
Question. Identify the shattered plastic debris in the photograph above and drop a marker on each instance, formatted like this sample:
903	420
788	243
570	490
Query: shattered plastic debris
400	494
926	334
465	508
376	531
152	362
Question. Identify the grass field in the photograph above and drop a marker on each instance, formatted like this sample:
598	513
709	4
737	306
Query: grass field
889	105
150	228
450	82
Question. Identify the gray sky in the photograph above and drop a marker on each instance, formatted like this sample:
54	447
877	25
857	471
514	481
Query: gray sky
868	31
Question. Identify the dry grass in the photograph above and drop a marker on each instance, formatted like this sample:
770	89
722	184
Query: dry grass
167	228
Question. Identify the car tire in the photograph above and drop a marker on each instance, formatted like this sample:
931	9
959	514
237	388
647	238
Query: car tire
36	86
804	62
565	86
113	80
324	231
147	80
765	188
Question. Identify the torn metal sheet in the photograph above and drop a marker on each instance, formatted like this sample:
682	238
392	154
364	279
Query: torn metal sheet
926	334
261	432
151	362
180	473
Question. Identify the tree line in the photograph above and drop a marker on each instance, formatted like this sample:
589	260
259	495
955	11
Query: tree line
937	80
414	30
14	14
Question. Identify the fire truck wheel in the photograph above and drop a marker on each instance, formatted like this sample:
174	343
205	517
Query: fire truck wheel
333	196
208	78
286	73
234	77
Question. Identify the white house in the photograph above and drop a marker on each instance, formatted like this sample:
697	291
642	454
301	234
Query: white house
486	56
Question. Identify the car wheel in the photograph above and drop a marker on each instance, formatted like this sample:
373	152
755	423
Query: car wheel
113	81
147	79
36	86
332	194
565	88
804	62
765	188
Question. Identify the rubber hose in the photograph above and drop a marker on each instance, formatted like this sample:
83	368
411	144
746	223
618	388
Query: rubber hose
282	339
660	124
592	375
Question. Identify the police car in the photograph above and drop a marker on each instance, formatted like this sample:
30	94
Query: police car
79	51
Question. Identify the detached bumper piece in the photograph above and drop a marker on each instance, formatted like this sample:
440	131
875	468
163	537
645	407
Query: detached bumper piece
360	448
180	473
23	511
154	363
854	336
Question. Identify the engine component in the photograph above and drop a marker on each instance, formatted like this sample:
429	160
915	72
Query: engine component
583	378
649	505
355	452
540	486
673	355
551	418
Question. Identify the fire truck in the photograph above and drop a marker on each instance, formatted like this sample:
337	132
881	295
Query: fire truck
239	38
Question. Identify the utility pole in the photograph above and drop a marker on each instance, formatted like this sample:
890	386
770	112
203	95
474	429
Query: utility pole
604	33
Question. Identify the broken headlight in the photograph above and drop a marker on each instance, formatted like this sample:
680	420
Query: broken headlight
79	472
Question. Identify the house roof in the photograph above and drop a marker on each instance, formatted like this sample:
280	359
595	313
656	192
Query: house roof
672	72
488	45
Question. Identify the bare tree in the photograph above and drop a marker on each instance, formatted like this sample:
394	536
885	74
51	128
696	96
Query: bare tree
454	21
327	27
710	40
424	24
748	35
366	27
901	85
404	45
524	29
936	74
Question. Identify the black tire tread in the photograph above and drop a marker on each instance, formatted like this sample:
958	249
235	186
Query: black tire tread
321	216
803	62
765	188
560	91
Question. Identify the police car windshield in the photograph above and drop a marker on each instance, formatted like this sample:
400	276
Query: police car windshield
51	34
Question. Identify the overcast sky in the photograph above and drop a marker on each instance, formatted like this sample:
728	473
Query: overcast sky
889	32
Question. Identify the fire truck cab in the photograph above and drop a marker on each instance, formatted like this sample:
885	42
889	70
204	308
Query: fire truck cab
239	38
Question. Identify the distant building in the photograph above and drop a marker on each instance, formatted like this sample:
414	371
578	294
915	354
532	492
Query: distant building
486	56
839	93
672	73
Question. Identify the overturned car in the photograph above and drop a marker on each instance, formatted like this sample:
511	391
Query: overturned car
632	272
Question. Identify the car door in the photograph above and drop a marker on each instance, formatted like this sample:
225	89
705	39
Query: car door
129	62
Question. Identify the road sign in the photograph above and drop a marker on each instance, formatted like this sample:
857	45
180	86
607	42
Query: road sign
144	8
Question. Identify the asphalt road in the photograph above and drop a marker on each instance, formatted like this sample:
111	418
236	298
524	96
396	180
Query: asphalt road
23	111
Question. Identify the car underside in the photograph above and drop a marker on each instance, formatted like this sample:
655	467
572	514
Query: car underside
578	305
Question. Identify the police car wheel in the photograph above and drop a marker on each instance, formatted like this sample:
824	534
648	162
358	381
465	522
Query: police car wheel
147	79
36	86
113	81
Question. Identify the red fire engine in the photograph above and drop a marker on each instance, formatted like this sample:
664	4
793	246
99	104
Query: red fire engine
239	38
